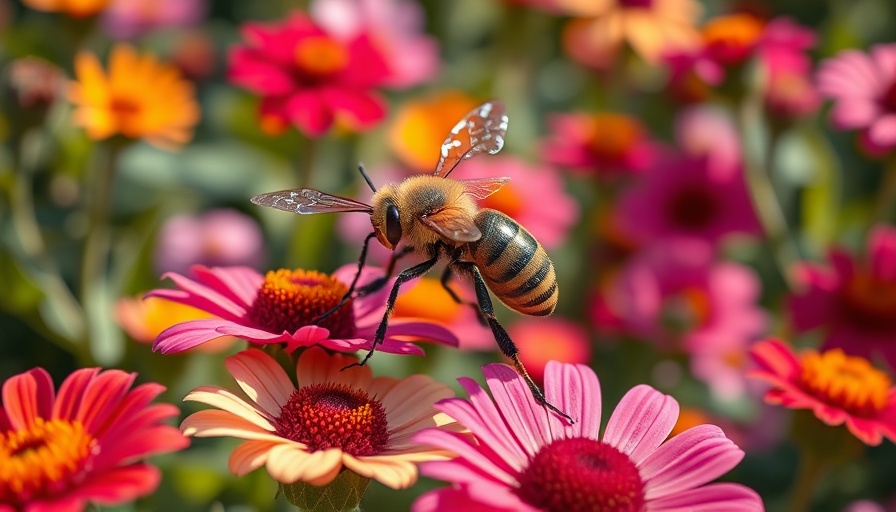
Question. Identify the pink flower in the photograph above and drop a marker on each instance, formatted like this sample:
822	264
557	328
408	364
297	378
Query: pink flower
128	19
309	77
788	89
525	459
863	87
599	144
837	388
853	301
85	443
396	26
215	238
282	306
549	339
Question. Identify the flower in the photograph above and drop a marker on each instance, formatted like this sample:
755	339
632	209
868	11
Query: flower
837	387
143	319
221	237
282	307
788	89
549	339
863	87
140	98
650	27
73	8
602	144
421	126
310	78
335	419
524	459
129	19
854	302
396	26
84	443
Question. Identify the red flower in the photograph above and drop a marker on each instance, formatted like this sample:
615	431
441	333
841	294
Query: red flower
310	78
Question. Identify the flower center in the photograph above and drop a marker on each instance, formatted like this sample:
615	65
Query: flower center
320	55
870	302
848	382
692	207
689	309
611	136
889	98
334	415
427	299
646	4
42	459
731	39
581	474
127	113
291	299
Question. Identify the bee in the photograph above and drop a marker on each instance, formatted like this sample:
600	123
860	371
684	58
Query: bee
438	217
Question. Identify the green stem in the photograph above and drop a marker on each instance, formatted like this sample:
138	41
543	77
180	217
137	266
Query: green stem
306	160
886	196
808	475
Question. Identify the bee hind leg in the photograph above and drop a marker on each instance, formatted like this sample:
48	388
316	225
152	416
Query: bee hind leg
446	276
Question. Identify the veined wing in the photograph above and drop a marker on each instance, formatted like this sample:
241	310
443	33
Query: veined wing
480	188
454	224
482	130
309	200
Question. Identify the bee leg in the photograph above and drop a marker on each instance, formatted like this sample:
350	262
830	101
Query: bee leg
446	276
507	346
351	289
405	275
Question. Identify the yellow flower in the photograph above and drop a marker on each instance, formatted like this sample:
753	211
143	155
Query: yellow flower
140	97
421	126
74	8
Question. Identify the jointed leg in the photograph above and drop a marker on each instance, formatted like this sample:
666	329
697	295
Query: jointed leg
405	275
446	276
508	348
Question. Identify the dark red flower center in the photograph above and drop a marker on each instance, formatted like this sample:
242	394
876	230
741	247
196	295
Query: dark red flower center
332	415
888	100
870	303
692	207
612	136
290	299
646	4
583	475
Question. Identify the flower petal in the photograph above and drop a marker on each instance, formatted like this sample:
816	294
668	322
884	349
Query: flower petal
262	379
186	335
227	401
527	420
249	456
725	497
641	422
575	390
215	423
28	396
392	472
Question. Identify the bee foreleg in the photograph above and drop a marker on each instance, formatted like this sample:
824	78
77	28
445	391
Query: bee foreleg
403	277
507	346
351	289
446	276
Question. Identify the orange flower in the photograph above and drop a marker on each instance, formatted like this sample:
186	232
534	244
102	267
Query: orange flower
143	319
140	97
651	27
74	8
420	127
334	419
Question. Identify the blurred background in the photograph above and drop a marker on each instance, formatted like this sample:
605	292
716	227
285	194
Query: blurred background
677	169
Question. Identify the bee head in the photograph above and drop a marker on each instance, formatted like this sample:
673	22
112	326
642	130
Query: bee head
386	220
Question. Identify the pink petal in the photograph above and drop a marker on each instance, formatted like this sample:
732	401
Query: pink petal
186	335
883	131
240	284
71	392
28	396
423	330
527	420
495	436
641	421
120	485
309	111
200	296
851	113
725	497
359	109
101	399
449	500
252	69
262	379
690	459
575	390
776	358
850	74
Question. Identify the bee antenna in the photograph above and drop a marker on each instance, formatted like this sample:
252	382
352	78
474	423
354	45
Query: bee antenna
366	177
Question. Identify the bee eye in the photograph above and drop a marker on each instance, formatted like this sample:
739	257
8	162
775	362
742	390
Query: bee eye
393	225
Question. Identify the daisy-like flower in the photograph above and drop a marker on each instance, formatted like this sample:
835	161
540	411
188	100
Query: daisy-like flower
282	306
853	301
139	98
599	144
310	78
526	460
863	87
73	8
650	27
84	443
837	387
335	419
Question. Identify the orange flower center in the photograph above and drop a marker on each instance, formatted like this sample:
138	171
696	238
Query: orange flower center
692	207
507	200
331	415
581	474
427	299
42	459
687	310
320	55
870	302
848	382
127	114
612	136
291	299
732	38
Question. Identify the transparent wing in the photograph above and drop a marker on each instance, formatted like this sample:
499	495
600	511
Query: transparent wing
481	188
309	200
454	224
482	130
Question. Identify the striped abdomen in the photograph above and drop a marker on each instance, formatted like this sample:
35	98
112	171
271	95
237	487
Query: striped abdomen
514	265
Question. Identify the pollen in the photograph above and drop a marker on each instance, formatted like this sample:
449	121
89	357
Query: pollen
43	458
331	415
320	56
291	299
849	382
581	474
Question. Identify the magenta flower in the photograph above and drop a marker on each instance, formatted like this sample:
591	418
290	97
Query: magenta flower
128	19
863	87
84	443
215	238
853	301
396	26
525	459
310	78
782	52
282	306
